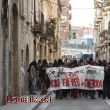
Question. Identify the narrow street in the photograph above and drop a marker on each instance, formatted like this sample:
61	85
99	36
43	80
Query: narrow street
50	49
79	104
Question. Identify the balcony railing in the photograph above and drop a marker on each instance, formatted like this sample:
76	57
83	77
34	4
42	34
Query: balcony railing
106	5
36	29
53	47
50	27
104	35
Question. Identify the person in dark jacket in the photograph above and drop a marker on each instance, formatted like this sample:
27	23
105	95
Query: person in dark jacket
92	92
44	77
74	92
59	92
106	81
99	63
55	63
38	72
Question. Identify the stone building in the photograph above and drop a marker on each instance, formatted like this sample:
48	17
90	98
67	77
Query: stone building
50	38
102	30
29	30
66	17
18	44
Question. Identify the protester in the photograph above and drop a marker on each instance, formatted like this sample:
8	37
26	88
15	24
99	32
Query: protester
106	82
55	63
32	78
99	63
80	91
59	92
92	92
74	92
44	77
38	72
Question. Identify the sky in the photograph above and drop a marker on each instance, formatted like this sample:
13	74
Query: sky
82	12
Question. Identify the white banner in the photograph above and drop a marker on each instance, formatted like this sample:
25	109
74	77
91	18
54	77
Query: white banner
84	77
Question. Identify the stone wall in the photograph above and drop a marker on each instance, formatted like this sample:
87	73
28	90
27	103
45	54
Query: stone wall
1	57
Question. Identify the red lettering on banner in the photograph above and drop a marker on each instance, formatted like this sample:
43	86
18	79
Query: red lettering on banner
98	83
66	82
91	83
75	82
55	83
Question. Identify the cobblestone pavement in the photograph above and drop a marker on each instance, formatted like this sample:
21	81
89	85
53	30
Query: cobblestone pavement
79	104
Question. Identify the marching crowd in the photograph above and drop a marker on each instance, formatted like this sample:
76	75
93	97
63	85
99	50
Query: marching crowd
39	80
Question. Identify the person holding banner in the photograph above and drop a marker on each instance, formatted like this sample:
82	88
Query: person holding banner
59	92
65	92
43	77
92	92
99	63
74	92
81	91
55	63
106	82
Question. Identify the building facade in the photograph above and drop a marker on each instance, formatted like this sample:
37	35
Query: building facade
25	36
102	30
50	39
65	19
18	47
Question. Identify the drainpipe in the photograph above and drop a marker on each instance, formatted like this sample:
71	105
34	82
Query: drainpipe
5	35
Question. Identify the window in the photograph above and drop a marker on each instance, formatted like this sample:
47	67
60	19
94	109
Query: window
63	19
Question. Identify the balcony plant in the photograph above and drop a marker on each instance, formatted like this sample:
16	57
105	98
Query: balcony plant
50	26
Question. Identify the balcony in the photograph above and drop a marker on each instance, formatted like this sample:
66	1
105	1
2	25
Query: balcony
104	13
96	25
99	17
98	4
49	30
106	42
104	36
97	20
97	47
50	27
107	6
53	47
36	29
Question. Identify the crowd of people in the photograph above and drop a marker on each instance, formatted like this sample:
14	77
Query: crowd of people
39	80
